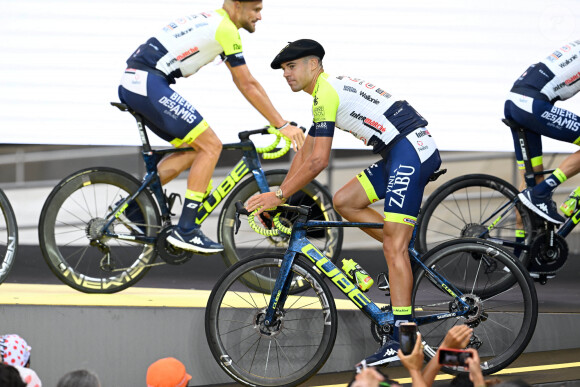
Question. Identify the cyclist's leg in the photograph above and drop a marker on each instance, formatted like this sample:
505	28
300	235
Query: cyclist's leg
174	119
207	145
353	199
408	167
543	118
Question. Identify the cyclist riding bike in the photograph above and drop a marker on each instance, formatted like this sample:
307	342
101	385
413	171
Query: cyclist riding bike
395	131
180	49
531	104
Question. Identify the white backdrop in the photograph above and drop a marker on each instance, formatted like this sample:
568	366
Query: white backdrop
453	60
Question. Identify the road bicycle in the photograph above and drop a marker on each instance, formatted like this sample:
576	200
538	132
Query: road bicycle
485	206
284	336
101	229
8	236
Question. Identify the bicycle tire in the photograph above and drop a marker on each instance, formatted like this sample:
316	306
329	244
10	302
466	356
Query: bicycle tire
8	237
289	352
503	322
459	207
247	242
71	215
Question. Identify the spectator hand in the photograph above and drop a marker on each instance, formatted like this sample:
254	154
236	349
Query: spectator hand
413	361
368	377
474	365
457	337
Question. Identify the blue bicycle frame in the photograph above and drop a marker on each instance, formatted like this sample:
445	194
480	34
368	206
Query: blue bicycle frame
250	162
299	244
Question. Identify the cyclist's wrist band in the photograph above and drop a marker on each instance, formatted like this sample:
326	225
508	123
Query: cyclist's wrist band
283	126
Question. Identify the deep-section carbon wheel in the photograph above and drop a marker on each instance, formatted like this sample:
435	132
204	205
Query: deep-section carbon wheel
8	236
71	231
503	317
284	353
470	206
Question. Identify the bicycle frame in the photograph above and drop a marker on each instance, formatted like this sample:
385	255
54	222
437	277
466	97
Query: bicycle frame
299	244
530	180
250	162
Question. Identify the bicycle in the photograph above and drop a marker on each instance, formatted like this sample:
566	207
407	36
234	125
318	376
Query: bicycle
282	337
486	206
101	229
8	236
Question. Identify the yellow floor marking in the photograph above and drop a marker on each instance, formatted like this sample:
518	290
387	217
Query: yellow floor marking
507	371
31	294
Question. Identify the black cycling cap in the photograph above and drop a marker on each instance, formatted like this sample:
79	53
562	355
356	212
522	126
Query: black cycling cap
297	49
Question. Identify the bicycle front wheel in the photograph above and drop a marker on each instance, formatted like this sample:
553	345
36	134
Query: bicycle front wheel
503	306
71	238
8	236
247	242
288	351
472	206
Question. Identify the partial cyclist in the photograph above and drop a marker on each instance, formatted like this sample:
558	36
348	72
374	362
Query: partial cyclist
395	131
531	104
180	49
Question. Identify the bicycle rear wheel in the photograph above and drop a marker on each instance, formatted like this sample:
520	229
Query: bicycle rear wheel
502	297
8	236
470	206
247	242
70	234
287	352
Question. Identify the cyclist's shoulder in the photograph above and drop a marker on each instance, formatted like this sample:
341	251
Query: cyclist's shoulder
326	99
227	34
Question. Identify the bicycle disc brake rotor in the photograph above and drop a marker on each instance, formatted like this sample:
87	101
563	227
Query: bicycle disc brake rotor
473	230
170	254
269	331
546	259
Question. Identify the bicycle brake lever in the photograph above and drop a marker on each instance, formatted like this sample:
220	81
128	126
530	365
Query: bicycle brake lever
240	210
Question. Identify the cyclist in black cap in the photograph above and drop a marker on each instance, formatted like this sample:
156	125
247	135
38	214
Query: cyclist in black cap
395	131
180	49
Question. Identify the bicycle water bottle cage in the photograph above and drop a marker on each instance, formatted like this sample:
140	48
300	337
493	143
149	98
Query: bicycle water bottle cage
171	200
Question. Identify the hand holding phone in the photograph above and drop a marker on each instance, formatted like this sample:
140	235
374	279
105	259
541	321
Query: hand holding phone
449	357
407	337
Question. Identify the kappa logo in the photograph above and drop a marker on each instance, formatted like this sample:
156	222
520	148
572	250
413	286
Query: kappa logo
390	352
543	207
196	240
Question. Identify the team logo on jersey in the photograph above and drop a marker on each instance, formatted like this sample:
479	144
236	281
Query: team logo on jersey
369	98
187	54
568	61
422	133
350	89
572	80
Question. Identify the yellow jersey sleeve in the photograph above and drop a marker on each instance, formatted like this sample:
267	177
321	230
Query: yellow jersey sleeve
326	101
228	36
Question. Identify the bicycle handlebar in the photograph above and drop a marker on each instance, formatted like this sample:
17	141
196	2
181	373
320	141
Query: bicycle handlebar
241	210
266	151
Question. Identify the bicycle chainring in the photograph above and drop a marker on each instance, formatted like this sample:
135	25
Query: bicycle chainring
546	259
169	253
379	333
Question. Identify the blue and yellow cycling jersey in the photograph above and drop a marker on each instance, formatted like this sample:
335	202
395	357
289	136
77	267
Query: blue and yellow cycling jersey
188	43
359	107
